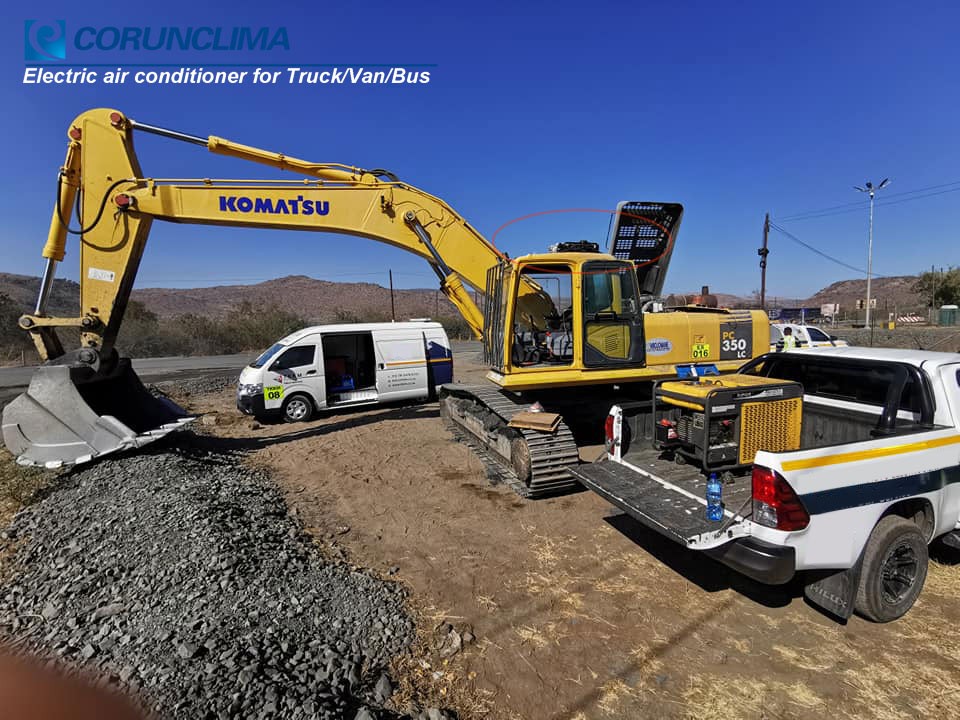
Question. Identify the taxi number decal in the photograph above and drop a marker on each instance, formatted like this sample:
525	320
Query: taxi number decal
700	351
273	393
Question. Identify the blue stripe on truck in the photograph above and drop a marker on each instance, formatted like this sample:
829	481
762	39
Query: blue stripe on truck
852	496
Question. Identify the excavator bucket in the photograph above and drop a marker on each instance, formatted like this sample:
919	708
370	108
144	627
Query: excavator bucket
70	416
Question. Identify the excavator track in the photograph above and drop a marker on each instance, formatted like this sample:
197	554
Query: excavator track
537	463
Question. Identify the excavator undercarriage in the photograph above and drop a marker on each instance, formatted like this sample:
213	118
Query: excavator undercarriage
533	463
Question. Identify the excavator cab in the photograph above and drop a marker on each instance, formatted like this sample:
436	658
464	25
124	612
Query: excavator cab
587	312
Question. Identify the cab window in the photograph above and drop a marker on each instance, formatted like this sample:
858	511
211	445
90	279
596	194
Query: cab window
295	357
818	335
775	334
548	340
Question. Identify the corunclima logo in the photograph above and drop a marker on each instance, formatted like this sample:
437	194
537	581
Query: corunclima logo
47	41
44	41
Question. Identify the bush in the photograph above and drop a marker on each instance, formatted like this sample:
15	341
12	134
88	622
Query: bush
245	328
456	327
941	288
13	340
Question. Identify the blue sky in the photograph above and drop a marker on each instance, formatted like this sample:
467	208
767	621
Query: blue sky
732	109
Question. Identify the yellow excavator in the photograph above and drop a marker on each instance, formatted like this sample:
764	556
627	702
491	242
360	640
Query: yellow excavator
573	329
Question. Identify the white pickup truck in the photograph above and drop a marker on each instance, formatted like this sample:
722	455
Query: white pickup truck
874	478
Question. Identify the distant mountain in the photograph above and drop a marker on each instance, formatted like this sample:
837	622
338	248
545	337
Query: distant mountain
890	292
324	301
314	300
23	289
724	300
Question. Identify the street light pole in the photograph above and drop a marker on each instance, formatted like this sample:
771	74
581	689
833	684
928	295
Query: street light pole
870	258
871	190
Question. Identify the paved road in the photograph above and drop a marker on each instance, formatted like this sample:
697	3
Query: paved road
147	367
154	368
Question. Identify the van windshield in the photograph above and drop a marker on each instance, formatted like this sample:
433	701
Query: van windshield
266	355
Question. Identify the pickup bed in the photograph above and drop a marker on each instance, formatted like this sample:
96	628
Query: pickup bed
875	479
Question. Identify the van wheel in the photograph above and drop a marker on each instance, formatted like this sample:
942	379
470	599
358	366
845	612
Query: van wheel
297	408
894	569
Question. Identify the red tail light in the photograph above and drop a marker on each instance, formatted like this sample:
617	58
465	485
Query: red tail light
608	442
775	504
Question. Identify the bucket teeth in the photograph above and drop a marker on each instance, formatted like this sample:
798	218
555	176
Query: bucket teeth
72	416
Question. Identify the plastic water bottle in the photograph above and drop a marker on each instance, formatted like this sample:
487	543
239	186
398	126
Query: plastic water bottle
714	499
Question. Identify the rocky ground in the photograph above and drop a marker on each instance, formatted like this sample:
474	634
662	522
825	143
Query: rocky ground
180	576
189	387
551	609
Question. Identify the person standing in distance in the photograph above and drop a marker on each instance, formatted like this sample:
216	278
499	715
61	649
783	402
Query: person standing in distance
789	341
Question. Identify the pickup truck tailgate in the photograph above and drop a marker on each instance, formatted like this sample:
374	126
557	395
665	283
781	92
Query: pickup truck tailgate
674	507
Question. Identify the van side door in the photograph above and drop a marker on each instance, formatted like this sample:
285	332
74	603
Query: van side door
439	358
401	366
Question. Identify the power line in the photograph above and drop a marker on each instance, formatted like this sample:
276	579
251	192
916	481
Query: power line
857	206
811	248
803	216
863	203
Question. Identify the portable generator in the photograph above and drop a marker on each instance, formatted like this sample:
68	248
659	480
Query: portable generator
720	422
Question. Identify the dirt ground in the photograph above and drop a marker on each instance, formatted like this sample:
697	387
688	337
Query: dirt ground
578	611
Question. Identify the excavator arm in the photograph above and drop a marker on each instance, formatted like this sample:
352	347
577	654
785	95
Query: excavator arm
87	402
102	176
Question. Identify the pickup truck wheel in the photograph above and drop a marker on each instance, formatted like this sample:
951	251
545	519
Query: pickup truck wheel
894	569
297	408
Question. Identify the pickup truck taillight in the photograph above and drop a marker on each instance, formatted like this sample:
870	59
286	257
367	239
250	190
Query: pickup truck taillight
608	443
775	504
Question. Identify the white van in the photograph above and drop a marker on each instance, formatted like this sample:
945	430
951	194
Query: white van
332	366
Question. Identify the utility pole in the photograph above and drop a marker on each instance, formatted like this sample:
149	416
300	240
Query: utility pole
931	311
871	190
763	252
393	308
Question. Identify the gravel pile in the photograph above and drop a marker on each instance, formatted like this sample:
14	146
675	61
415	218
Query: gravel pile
195	385
181	577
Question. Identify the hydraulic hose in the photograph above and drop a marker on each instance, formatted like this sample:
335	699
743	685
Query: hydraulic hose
96	220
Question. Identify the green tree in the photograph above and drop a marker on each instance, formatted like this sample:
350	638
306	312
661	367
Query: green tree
942	287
